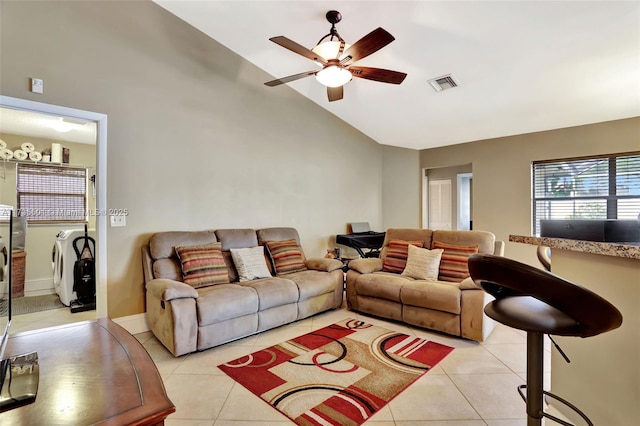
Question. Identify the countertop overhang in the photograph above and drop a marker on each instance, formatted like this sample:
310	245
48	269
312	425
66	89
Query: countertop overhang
625	250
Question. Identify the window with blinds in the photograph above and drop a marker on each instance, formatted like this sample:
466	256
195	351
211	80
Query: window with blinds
606	187
48	193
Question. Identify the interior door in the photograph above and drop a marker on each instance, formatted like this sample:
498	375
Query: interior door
440	204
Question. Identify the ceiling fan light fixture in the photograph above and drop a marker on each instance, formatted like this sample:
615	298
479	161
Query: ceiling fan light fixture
333	76
330	49
336	58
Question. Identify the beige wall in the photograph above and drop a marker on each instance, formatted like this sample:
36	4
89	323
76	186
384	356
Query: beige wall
41	237
195	140
401	188
502	171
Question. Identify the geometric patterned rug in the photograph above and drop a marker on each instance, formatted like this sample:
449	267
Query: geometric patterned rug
338	375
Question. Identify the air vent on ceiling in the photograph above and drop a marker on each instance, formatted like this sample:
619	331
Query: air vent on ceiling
443	83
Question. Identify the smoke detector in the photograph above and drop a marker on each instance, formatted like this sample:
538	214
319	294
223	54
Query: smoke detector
443	83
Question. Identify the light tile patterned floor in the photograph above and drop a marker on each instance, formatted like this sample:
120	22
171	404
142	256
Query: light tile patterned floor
474	386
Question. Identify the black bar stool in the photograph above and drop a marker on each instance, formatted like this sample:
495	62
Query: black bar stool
540	303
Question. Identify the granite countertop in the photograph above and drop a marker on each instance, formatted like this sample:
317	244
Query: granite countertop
626	250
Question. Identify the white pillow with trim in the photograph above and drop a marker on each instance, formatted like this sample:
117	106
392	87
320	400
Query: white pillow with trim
423	264
250	263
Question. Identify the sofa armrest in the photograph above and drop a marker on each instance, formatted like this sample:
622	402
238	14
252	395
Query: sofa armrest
498	248
167	290
323	264
367	265
468	284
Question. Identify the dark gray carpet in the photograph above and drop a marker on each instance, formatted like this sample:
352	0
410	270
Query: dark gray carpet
27	305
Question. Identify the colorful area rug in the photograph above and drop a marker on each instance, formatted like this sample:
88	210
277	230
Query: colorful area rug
339	375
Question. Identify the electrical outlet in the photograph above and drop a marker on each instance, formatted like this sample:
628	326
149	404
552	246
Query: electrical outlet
118	221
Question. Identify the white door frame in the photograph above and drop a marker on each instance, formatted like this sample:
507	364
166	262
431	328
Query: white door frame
425	199
101	182
463	182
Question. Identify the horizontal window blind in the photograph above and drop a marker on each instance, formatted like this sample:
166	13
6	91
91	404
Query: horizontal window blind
48	193
606	187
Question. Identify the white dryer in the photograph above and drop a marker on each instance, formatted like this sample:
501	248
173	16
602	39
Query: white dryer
63	259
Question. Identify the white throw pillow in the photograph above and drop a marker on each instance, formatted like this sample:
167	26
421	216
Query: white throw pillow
423	264
250	263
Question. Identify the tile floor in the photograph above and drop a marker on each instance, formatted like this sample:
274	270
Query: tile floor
474	386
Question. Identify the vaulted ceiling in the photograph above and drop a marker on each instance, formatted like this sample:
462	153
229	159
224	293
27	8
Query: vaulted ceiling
521	66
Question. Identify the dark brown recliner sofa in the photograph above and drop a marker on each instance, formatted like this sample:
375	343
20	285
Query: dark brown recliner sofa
455	308
187	319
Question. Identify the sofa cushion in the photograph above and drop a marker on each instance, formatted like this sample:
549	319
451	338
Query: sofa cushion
202	265
454	263
423	264
278	234
273	292
432	295
237	238
381	285
486	241
406	234
225	301
286	256
250	263
314	283
396	255
168	269
162	244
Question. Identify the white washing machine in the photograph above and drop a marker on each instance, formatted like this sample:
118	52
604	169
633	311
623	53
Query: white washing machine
63	259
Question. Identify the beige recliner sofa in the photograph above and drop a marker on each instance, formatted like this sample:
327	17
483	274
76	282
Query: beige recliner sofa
455	308
187	319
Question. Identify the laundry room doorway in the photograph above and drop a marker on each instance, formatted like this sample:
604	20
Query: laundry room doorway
67	161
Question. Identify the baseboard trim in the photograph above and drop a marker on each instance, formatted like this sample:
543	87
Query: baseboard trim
39	287
134	324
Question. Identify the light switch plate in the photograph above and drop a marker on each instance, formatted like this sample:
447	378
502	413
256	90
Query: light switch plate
37	85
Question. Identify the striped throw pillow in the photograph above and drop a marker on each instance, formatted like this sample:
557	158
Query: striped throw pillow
454	265
397	252
286	256
202	265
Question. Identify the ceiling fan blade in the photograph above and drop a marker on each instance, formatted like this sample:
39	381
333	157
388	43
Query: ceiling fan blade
335	93
297	48
378	74
294	77
372	42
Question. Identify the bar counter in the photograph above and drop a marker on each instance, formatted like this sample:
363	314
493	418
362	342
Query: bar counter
603	378
626	250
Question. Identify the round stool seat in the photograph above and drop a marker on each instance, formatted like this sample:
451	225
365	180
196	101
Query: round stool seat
532	299
539	302
530	314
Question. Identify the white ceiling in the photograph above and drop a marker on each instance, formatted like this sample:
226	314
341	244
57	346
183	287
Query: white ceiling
39	125
521	66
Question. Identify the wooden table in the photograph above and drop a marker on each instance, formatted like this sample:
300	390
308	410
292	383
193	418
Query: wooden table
91	372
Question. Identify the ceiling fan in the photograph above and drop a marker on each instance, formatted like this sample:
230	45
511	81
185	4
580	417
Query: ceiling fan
337	58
